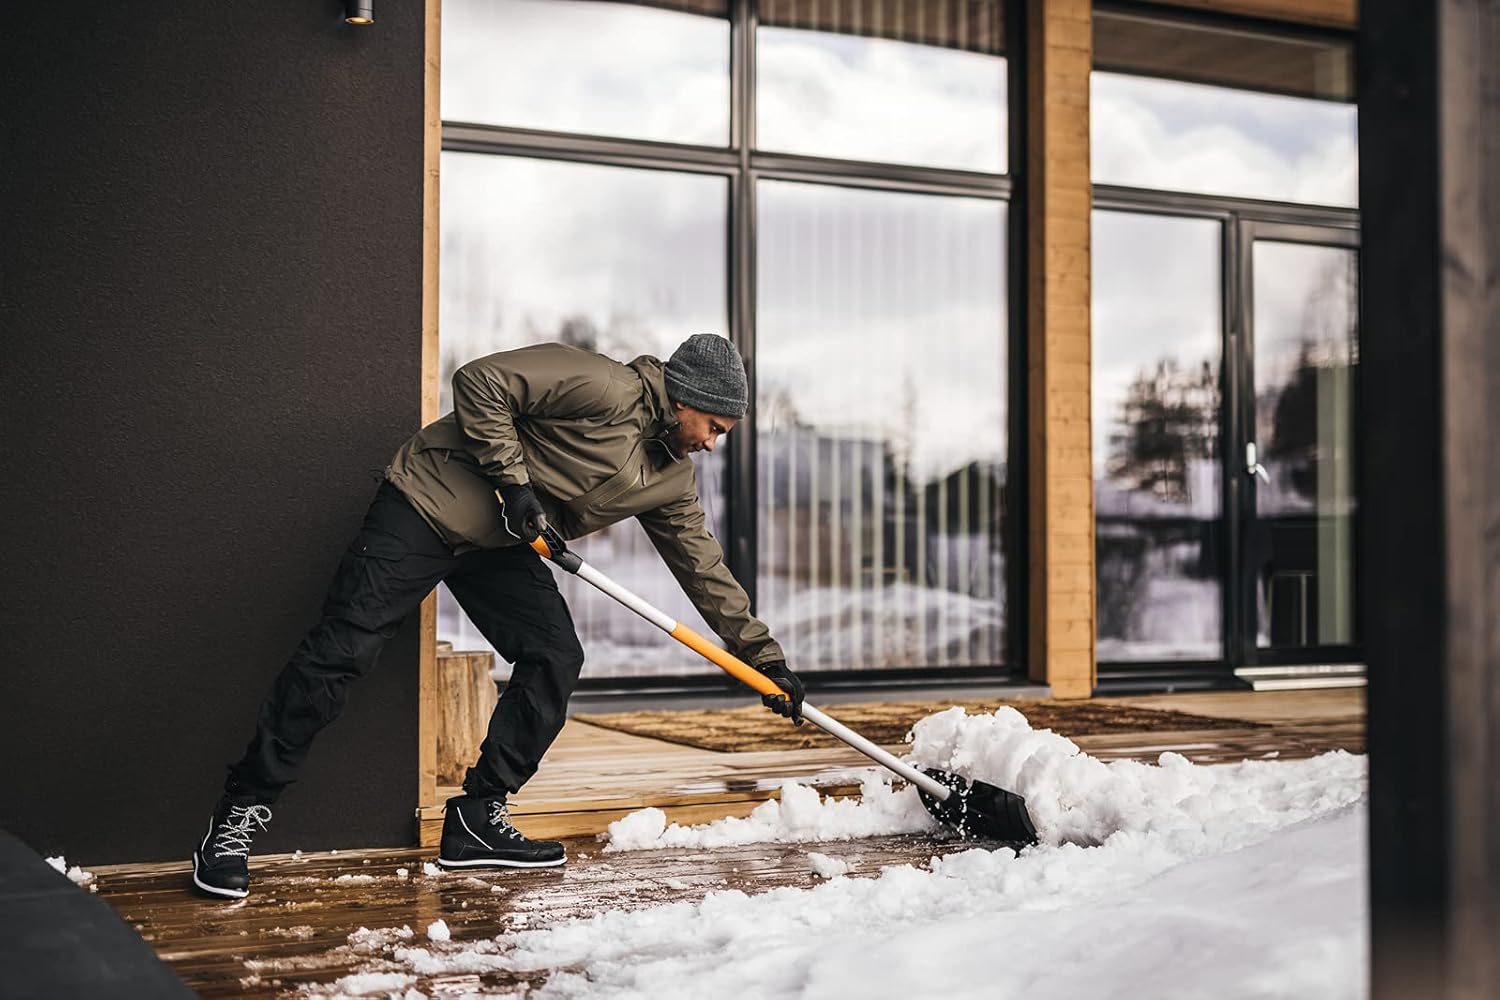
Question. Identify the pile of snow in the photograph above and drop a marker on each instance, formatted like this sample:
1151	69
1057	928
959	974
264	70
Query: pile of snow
799	817
381	984
824	866
1164	880
75	874
438	931
1073	798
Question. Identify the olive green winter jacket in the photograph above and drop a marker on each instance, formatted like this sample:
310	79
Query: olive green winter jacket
585	431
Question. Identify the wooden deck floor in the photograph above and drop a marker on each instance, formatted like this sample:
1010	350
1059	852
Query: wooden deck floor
301	923
295	929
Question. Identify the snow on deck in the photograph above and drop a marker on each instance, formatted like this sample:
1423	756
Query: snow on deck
1165	879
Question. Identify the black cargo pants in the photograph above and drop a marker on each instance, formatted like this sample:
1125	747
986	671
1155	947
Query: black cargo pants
397	559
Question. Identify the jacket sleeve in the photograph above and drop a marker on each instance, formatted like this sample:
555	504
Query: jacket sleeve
492	393
681	536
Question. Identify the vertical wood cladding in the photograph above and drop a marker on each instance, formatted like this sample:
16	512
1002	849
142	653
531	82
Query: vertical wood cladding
1059	199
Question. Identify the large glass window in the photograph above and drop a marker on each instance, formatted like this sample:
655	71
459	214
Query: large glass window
604	68
881	416
873	317
1157	368
621	261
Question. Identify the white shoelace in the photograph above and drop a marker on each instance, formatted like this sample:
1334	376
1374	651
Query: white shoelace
234	835
500	819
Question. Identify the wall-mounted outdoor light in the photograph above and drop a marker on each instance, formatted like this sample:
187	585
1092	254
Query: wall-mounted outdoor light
359	11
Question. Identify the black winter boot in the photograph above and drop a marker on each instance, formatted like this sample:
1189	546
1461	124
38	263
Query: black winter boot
477	834
221	859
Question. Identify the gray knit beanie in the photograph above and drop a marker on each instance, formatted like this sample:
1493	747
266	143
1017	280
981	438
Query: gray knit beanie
706	373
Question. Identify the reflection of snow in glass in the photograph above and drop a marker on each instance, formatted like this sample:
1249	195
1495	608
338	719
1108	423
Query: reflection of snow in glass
828	94
881	407
582	66
1177	136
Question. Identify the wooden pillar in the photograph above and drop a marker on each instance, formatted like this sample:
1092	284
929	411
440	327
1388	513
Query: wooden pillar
1059	52
1429	491
432	140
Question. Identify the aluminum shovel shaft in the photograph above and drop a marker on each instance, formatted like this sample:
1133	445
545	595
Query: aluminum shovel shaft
731	664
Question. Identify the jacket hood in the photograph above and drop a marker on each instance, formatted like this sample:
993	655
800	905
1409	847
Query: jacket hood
653	373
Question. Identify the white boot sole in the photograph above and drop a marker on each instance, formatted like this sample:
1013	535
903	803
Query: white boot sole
213	889
494	863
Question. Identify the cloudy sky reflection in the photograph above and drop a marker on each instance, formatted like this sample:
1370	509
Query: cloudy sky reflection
1212	140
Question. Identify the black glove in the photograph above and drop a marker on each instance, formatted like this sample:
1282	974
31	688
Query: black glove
522	511
786	680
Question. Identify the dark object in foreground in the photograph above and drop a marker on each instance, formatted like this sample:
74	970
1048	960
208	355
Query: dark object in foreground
980	811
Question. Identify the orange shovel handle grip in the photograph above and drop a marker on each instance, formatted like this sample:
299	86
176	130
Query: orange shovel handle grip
726	661
723	659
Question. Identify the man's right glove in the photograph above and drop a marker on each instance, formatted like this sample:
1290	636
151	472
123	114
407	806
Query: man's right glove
789	704
522	511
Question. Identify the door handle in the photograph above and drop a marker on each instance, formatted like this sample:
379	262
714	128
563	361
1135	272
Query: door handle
1253	467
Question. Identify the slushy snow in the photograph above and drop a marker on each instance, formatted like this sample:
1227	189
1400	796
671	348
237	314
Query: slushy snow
799	817
824	866
1168	880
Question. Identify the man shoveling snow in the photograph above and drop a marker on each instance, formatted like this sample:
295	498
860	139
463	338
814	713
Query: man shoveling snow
542	439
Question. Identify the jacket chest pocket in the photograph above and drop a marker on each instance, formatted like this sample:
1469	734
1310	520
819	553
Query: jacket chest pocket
629	477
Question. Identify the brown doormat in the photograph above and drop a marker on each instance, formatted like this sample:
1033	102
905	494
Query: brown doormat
755	728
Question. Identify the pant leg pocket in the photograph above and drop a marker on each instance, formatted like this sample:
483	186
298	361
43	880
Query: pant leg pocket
370	587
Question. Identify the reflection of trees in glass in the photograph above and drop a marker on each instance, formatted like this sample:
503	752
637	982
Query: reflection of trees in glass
1325	349
1168	419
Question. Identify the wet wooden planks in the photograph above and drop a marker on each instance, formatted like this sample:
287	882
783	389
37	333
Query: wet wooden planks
295	927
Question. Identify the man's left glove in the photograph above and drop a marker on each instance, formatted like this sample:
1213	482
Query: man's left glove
789	704
522	511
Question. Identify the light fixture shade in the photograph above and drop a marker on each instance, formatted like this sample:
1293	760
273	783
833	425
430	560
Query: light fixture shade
359	11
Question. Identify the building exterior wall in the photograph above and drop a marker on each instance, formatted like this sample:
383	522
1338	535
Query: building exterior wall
211	312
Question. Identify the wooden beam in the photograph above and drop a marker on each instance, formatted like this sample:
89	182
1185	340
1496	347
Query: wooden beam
1320	13
1428	463
1059	199
432	139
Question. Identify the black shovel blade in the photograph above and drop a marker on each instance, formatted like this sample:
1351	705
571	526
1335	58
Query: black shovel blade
981	811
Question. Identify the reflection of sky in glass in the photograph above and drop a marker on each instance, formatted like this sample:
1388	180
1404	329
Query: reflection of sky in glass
1176	136
584	66
530	245
826	94
1155	297
883	314
625	261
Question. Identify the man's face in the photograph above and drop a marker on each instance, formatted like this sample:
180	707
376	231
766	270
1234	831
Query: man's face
696	430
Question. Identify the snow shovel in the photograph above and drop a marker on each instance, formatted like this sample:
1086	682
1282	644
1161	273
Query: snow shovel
975	809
